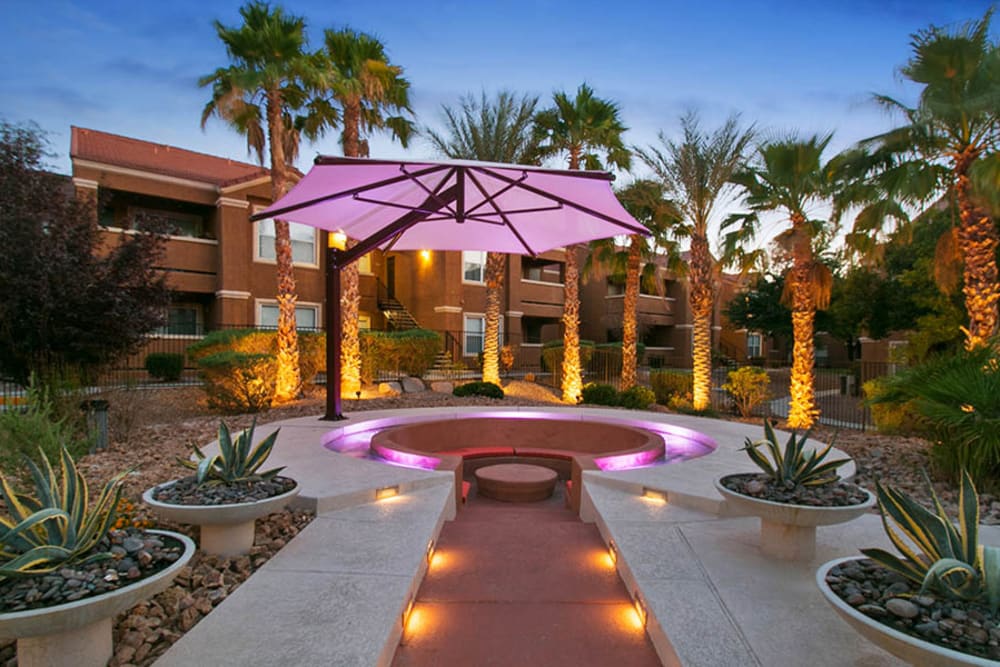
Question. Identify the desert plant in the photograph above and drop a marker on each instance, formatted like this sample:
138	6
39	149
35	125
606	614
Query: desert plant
36	430
599	394
889	418
748	387
793	466
487	389
957	398
57	526
936	555
237	462
636	397
668	384
166	366
238	382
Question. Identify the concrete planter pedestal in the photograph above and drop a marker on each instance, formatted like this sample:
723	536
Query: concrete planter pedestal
788	531
906	647
226	530
78	634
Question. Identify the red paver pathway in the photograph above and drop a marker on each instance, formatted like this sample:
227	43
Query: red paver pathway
521	584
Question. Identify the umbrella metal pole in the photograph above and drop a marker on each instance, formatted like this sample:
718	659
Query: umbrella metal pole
334	331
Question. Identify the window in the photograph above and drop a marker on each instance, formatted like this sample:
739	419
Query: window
473	266
615	287
475	333
364	321
541	270
303	242
306	316
183	319
365	263
754	345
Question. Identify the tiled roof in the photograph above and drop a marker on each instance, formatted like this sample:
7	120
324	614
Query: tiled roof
122	151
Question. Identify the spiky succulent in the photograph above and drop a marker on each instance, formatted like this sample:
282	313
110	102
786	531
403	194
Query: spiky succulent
57	526
937	555
236	460
793	464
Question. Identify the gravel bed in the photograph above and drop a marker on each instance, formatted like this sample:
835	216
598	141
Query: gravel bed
134	555
889	598
763	487
187	491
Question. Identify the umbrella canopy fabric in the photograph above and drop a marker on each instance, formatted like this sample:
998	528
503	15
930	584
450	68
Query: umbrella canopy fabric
498	208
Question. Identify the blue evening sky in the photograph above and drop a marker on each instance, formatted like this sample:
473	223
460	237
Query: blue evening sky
131	67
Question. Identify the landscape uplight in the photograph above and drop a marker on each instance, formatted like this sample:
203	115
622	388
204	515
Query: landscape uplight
654	494
386	492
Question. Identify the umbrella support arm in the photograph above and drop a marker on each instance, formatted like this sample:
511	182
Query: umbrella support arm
336	260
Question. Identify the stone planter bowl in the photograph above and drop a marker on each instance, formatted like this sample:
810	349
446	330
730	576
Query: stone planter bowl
906	647
226	530
789	531
78	633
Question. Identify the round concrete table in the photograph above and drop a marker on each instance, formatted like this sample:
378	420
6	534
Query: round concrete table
516	482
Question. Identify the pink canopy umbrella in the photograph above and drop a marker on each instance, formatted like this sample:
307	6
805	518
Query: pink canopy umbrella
452	205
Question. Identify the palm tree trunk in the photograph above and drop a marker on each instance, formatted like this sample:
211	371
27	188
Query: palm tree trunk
350	343
572	377
629	315
288	381
495	263
978	239
350	296
700	281
802	412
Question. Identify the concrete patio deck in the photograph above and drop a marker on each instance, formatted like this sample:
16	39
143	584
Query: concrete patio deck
337	593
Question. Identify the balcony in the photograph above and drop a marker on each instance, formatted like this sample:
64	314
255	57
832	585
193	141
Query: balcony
652	310
541	299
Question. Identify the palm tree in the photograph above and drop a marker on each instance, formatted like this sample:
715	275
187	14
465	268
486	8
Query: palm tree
645	201
493	130
696	173
262	88
361	81
789	176
581	127
949	137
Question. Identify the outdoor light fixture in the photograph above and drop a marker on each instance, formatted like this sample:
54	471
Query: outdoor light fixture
613	551
430	551
406	613
425	255
654	494
640	607
337	240
386	492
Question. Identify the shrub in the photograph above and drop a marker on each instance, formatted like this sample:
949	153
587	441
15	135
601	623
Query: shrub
60	525
411	352
668	385
637	398
166	366
529	377
890	418
238	382
312	347
599	394
487	389
957	399
237	461
552	354
748	387
36	431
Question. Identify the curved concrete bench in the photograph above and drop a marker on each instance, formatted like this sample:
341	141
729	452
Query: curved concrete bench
566	446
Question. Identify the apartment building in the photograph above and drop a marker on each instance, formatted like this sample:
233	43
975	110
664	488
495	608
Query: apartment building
222	271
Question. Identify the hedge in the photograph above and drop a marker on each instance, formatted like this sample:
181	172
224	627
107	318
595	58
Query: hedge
410	352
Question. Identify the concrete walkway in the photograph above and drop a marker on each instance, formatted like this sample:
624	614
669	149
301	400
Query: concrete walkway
522	584
336	594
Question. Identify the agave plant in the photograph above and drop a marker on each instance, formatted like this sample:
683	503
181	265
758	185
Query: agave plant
793	465
57	526
236	461
937	555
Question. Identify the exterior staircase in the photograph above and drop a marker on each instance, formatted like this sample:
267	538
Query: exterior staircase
396	314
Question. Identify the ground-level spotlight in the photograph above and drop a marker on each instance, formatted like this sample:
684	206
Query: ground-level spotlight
654	495
386	492
640	607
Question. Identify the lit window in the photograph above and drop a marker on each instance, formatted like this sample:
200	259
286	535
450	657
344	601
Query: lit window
364	322
306	317
473	266
365	263
753	345
303	242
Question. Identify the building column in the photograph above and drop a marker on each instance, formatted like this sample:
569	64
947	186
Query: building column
233	305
